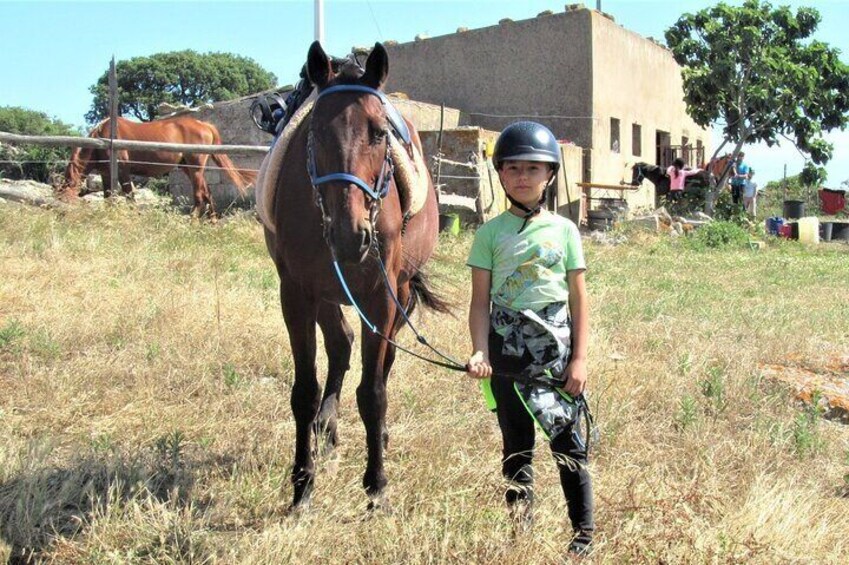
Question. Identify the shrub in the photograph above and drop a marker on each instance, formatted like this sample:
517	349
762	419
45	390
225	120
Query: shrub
32	161
719	234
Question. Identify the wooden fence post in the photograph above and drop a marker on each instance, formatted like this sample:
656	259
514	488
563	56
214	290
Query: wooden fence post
113	126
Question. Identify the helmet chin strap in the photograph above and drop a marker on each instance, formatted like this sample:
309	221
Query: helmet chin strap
529	212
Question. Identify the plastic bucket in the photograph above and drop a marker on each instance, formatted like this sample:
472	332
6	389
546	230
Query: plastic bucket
809	230
773	225
794	209
840	231
826	230
785	230
449	223
600	220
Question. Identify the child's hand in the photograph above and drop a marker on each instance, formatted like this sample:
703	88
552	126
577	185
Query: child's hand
478	366
576	377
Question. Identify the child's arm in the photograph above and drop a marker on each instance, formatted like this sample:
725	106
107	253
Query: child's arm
478	366
576	371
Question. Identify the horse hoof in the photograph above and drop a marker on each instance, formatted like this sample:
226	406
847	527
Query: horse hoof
379	504
297	510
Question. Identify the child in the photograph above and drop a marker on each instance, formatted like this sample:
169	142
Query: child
738	178
529	265
750	194
677	175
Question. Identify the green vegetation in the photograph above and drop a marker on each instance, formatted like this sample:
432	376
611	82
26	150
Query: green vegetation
177	77
760	73
32	162
144	404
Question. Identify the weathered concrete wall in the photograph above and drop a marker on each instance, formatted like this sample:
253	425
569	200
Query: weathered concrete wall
465	179
637	82
569	199
506	72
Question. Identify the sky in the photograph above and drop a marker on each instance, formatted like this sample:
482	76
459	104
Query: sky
52	52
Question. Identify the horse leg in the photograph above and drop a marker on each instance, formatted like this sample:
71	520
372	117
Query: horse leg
338	337
371	393
403	299
124	178
194	167
299	313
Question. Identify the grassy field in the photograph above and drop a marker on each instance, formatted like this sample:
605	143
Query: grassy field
144	408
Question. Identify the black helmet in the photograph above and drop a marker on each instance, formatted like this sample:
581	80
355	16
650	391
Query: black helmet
527	141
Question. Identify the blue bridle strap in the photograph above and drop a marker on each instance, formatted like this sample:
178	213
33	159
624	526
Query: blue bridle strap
352	179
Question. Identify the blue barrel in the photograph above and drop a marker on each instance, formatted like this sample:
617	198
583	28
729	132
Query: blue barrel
773	225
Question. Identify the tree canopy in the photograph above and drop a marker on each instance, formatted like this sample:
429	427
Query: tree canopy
32	161
178	77
756	71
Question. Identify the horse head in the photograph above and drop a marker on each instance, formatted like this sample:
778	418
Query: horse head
349	160
78	167
638	173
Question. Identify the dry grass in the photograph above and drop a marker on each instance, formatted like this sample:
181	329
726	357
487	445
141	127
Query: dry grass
145	375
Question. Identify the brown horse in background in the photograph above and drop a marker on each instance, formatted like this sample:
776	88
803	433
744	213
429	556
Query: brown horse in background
330	213
179	129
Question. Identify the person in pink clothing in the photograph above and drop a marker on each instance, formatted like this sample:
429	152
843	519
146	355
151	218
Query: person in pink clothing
677	175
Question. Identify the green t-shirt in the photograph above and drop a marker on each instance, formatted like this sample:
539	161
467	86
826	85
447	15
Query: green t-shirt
529	269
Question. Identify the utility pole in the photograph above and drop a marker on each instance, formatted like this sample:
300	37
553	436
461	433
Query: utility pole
319	21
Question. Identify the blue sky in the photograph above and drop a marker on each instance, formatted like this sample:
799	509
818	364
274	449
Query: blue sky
53	51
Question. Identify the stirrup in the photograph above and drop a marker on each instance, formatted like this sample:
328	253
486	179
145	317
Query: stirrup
267	110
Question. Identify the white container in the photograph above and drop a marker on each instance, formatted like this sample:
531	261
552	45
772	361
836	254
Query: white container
809	230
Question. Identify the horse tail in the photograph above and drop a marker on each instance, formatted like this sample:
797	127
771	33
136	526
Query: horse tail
421	292
242	178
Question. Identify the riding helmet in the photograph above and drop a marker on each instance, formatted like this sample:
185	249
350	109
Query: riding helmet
527	141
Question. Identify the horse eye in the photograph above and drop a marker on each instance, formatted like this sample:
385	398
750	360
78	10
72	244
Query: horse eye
376	134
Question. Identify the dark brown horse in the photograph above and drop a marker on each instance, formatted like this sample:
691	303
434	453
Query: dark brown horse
179	129
342	209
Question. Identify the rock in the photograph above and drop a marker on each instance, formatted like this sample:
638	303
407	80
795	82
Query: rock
663	215
28	192
649	223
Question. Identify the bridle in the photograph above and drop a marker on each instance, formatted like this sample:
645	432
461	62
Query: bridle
380	189
641	175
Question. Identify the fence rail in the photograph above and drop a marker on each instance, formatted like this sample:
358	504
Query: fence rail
98	143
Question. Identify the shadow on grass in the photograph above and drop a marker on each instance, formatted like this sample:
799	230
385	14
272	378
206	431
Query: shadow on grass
38	506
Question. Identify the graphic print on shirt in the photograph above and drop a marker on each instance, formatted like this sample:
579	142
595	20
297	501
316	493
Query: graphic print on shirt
537	266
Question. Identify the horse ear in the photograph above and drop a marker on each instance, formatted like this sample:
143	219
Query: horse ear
318	65
377	67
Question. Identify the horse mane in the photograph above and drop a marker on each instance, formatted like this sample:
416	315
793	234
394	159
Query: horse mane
96	128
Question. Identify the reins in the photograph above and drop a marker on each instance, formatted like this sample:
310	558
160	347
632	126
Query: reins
376	193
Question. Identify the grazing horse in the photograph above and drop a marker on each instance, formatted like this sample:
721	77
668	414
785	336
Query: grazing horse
150	163
335	204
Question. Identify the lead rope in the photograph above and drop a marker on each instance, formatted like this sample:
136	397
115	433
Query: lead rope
450	364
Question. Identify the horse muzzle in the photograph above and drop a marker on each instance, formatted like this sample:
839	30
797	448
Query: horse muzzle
351	245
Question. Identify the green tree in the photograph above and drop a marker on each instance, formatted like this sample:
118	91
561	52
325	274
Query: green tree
755	70
178	77
32	161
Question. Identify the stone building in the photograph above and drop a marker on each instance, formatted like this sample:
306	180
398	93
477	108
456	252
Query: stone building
605	88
